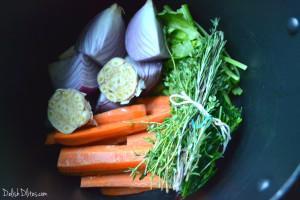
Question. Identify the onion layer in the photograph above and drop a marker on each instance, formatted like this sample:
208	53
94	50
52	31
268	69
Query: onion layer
144	38
103	38
149	72
78	72
103	104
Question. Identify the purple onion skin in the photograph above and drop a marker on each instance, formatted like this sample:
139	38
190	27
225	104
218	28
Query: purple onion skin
144	39
87	90
150	72
78	72
103	38
153	78
103	105
92	78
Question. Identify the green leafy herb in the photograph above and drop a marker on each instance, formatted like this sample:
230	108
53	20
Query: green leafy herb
200	77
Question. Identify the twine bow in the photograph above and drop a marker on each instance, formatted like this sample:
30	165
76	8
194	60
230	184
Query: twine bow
223	127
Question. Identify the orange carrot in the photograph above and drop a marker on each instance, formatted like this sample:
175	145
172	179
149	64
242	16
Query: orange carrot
121	114
112	141
121	180
101	158
140	139
121	191
111	130
155	104
116	115
50	139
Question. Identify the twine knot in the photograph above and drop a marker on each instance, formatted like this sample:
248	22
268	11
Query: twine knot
223	127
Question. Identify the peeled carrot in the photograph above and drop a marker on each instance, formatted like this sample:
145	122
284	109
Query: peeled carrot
112	141
121	114
155	104
111	130
121	180
121	191
99	159
116	115
140	139
50	139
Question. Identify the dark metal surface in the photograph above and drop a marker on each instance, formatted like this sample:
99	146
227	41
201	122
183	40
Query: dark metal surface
265	150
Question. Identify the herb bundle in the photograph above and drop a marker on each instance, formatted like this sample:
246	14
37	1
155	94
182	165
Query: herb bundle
200	78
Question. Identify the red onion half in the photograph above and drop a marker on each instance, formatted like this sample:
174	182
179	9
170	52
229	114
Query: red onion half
78	72
144	39
149	72
103	38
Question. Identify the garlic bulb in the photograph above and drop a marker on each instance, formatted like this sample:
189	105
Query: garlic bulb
68	110
119	81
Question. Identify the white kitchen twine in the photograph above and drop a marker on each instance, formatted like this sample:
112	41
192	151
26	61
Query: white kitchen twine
224	128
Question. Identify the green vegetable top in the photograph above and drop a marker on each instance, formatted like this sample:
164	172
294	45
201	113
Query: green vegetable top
200	78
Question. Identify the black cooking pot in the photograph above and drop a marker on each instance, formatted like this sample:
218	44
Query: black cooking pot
262	159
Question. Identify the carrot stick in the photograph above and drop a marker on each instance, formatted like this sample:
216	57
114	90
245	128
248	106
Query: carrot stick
111	130
121	180
112	141
116	115
121	191
140	139
121	114
50	139
109	141
100	159
155	104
